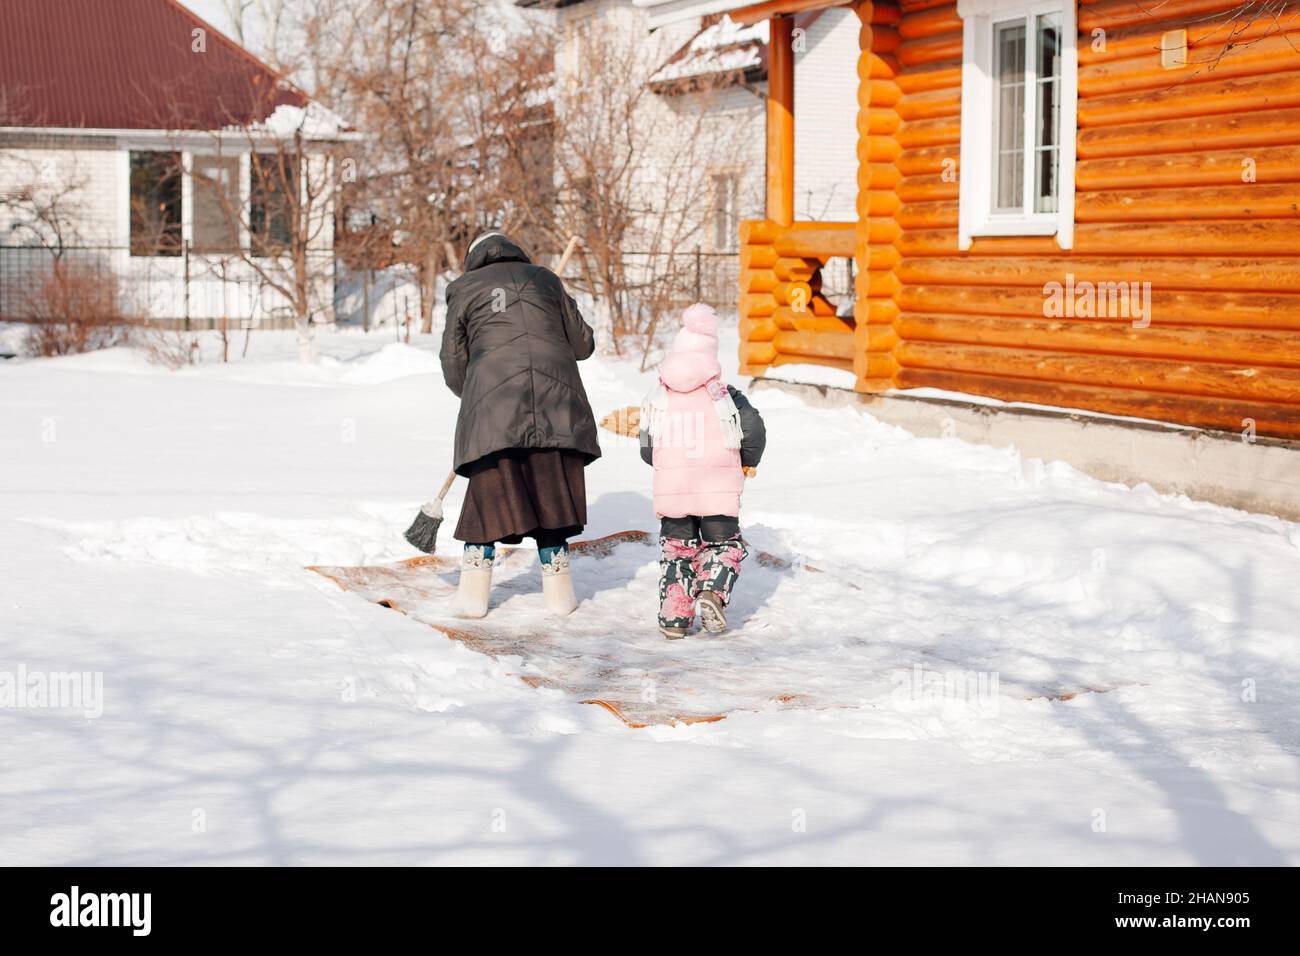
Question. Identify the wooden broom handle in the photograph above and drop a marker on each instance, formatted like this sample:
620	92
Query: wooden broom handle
568	251
446	485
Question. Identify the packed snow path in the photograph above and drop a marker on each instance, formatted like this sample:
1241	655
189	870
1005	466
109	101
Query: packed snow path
767	659
158	526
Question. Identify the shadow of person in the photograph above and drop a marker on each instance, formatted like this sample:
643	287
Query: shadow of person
620	511
614	568
761	573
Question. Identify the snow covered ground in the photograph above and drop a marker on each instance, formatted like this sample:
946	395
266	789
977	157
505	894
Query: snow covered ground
995	660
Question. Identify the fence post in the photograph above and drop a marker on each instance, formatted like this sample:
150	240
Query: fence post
186	289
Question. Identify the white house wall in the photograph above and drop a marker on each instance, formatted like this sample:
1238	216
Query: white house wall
155	287
729	140
825	109
825	119
737	116
95	219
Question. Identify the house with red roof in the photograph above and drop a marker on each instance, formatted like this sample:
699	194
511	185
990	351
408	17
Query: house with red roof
138	141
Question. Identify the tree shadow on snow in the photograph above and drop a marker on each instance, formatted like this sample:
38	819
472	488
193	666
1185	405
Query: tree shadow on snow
1208	828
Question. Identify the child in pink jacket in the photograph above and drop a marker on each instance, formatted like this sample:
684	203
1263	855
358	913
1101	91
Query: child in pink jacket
699	434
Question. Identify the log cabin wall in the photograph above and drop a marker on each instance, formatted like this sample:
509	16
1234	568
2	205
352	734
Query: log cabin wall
879	179
1161	197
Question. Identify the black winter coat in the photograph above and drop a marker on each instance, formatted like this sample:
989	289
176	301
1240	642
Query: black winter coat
510	350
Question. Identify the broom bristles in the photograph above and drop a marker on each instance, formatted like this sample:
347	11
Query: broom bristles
423	532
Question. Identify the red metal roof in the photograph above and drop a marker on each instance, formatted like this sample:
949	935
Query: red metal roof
127	64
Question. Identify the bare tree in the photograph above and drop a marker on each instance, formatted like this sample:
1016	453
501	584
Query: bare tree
72	305
472	127
632	173
281	231
439	85
40	204
266	28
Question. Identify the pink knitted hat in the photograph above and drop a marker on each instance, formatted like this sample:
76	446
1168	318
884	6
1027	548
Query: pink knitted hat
693	359
699	331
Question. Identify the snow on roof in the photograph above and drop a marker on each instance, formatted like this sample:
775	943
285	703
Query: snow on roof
672	11
312	121
722	47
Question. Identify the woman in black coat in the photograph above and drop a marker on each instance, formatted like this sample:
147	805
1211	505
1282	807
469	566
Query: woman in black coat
510	351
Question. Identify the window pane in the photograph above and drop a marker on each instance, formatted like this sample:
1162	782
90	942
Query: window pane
273	181
1047	113
1009	117
155	204
726	220
216	204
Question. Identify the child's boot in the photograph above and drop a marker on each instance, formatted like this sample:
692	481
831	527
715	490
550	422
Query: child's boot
475	585
712	615
557	581
717	566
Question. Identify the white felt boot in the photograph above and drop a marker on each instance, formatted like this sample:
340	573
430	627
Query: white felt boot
475	585
557	585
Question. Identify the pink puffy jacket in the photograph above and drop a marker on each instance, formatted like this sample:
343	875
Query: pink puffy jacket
695	474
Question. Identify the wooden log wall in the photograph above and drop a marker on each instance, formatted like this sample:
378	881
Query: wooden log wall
876	254
1188	179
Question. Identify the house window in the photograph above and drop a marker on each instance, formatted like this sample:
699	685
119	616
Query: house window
216	204
1019	92
578	43
272	190
155	204
726	212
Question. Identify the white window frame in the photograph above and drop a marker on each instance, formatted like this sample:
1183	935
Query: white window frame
975	201
577	31
731	227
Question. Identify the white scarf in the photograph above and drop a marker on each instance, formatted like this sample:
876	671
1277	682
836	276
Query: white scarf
654	413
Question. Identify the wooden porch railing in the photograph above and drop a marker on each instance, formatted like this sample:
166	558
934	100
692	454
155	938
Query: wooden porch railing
784	317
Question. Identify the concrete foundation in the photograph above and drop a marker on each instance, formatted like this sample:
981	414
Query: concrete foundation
1253	474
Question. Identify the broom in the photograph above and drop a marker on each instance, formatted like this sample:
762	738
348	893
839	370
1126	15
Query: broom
423	532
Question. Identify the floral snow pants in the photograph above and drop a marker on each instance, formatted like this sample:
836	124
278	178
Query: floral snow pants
696	554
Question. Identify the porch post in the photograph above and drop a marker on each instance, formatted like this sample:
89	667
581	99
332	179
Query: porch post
780	120
878	149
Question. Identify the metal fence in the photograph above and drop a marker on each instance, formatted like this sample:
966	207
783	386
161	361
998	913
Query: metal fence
188	290
201	291
670	279
699	276
682	277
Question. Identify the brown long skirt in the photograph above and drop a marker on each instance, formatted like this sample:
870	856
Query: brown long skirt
522	493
